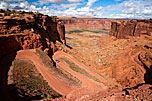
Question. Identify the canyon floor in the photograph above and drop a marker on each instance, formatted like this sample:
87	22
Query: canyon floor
121	64
116	59
88	54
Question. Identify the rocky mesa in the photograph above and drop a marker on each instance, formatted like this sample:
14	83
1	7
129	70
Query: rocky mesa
131	28
88	23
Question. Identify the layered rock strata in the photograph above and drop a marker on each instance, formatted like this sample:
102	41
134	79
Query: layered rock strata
88	23
28	31
131	28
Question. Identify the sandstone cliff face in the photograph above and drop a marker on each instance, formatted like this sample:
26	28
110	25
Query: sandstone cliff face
28	31
21	30
88	23
131	28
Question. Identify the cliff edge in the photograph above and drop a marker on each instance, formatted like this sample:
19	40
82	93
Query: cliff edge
21	30
131	28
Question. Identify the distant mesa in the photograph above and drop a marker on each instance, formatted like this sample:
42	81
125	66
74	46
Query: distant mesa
131	28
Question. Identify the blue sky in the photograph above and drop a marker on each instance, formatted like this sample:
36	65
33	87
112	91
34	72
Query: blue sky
140	9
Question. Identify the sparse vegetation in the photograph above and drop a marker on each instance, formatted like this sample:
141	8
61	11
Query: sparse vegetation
92	31
73	79
59	71
7	13
29	81
76	68
106	64
75	31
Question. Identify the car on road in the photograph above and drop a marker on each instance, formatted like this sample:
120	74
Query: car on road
57	60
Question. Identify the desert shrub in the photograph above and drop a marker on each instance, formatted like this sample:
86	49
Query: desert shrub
2	10
7	13
13	11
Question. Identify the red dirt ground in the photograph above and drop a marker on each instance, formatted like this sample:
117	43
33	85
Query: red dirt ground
89	86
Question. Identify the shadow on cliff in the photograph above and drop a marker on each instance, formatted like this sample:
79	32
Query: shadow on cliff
148	74
7	55
5	64
15	94
9	46
50	31
147	77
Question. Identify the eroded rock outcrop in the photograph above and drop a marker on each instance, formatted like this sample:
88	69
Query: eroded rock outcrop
131	28
25	30
29	31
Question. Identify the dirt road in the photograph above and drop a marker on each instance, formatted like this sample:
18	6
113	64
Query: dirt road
57	85
88	85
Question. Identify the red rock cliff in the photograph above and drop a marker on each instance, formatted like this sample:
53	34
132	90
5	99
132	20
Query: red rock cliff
87	23
30	30
131	28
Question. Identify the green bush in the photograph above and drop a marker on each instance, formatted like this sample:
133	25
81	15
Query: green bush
13	11
7	13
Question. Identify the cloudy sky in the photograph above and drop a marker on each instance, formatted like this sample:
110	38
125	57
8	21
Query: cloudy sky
93	8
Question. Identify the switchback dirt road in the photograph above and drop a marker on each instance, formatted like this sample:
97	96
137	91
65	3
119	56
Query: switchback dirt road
88	86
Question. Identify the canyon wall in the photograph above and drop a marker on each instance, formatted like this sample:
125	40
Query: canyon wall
131	28
25	30
87	23
28	31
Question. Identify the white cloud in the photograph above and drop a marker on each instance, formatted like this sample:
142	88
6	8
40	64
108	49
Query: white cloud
64	6
117	0
91	2
83	11
3	5
75	0
129	9
99	8
55	1
126	9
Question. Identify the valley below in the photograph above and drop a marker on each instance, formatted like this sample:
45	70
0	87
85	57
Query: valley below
48	58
